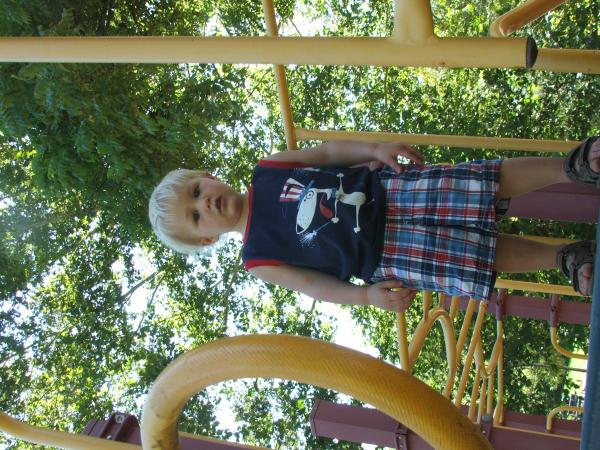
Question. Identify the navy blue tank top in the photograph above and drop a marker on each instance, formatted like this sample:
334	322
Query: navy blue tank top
329	219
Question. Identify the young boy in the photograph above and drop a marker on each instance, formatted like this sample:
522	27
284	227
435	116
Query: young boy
314	218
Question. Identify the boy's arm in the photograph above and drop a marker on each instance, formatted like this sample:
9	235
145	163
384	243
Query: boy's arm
349	153
326	287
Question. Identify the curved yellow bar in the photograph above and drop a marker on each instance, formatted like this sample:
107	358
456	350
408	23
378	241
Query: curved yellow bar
52	438
559	409
560	349
416	344
475	339
392	391
521	15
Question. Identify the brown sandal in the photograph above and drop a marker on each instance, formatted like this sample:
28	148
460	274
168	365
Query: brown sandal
572	257
577	166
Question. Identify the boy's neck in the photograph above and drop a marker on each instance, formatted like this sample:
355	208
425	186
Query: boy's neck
243	221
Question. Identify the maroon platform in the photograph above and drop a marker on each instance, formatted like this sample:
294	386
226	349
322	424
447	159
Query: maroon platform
369	426
567	202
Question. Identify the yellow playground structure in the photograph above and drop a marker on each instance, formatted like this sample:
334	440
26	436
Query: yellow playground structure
436	417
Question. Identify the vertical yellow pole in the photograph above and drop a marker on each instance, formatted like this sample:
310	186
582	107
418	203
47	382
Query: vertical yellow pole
490	396
482	399
454	304
281	81
469	358
499	411
403	341
427	298
413	22
474	395
441	140
462	337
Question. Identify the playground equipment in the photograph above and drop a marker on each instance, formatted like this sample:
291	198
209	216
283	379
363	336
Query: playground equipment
396	393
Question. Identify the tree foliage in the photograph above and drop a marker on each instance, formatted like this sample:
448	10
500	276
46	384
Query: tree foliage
82	145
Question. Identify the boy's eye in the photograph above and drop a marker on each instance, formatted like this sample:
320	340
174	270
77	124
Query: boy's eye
196	192
195	216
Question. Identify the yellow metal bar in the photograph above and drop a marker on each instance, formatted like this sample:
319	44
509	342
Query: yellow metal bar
495	351
529	145
281	81
489	410
392	391
482	399
559	409
352	51
474	396
469	358
560	349
536	287
499	411
403	341
427	299
568	60
520	16
418	339
59	439
413	21
462	337
454	304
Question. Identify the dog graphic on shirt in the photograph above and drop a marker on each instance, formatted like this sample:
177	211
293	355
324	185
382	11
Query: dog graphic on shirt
306	196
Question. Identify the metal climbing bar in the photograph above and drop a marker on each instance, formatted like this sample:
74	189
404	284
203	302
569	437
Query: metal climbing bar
353	51
283	93
522	15
552	59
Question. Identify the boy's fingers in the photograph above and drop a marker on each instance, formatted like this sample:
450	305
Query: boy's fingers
415	156
390	284
413	153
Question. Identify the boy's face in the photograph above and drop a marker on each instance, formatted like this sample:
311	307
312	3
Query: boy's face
206	209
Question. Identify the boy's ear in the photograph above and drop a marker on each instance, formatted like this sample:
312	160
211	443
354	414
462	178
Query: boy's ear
208	240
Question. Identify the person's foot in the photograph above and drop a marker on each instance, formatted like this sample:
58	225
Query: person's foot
576	261
584	275
594	156
582	164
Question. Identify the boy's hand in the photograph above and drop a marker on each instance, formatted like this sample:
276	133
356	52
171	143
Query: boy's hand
381	295
388	153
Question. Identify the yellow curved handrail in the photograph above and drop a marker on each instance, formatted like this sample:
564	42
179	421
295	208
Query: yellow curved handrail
418	339
559	409
392	391
560	349
60	439
521	15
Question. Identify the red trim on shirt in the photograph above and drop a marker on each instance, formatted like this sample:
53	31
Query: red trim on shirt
262	262
250	195
280	164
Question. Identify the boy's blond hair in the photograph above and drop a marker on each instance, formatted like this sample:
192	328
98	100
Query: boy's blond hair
160	210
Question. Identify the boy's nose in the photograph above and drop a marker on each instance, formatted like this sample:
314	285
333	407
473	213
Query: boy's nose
206	203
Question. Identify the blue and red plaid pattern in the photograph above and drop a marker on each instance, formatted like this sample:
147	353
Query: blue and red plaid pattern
440	232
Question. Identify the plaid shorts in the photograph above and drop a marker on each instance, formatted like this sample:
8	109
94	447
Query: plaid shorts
440	232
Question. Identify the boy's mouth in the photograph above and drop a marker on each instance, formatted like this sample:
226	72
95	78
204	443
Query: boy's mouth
218	204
